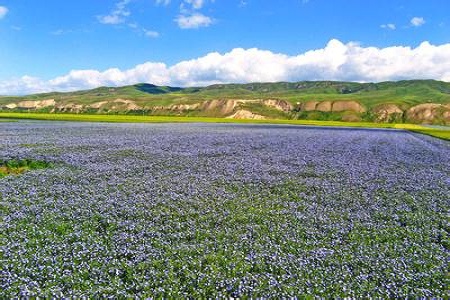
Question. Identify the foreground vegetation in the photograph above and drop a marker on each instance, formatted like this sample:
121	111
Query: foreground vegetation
223	211
19	166
436	132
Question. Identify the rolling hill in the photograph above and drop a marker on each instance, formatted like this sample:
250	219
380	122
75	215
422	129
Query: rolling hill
411	101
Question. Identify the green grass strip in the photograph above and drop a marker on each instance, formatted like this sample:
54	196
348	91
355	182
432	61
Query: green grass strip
440	133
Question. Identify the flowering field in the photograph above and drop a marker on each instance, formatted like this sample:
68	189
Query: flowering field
170	210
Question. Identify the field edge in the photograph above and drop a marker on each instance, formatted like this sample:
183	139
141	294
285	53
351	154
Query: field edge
434	132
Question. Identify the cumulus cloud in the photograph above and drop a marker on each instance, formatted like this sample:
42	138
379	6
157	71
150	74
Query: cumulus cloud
118	15
195	20
3	11
388	26
156	73
24	85
417	21
336	61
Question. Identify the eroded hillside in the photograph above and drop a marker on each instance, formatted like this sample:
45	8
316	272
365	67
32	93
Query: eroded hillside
423	101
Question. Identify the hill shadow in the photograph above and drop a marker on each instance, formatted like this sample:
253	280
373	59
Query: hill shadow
154	89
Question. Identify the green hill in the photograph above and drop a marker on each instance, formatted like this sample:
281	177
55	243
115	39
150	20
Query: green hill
414	101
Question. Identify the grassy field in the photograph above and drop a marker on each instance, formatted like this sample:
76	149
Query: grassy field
439	133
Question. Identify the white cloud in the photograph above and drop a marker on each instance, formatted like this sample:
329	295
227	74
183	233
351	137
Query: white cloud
120	15
110	19
3	11
147	72
163	2
195	20
196	4
151	33
388	26
61	32
417	21
117	16
24	85
336	61
190	18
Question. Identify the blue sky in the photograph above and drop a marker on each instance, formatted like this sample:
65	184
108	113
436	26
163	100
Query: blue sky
43	41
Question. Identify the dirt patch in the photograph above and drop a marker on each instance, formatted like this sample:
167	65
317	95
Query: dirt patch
280	105
98	105
245	114
324	106
70	107
347	106
387	113
118	104
446	115
11	106
31	104
129	104
224	107
182	107
309	106
429	113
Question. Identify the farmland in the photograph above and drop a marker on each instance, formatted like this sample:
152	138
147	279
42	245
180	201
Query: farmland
223	210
